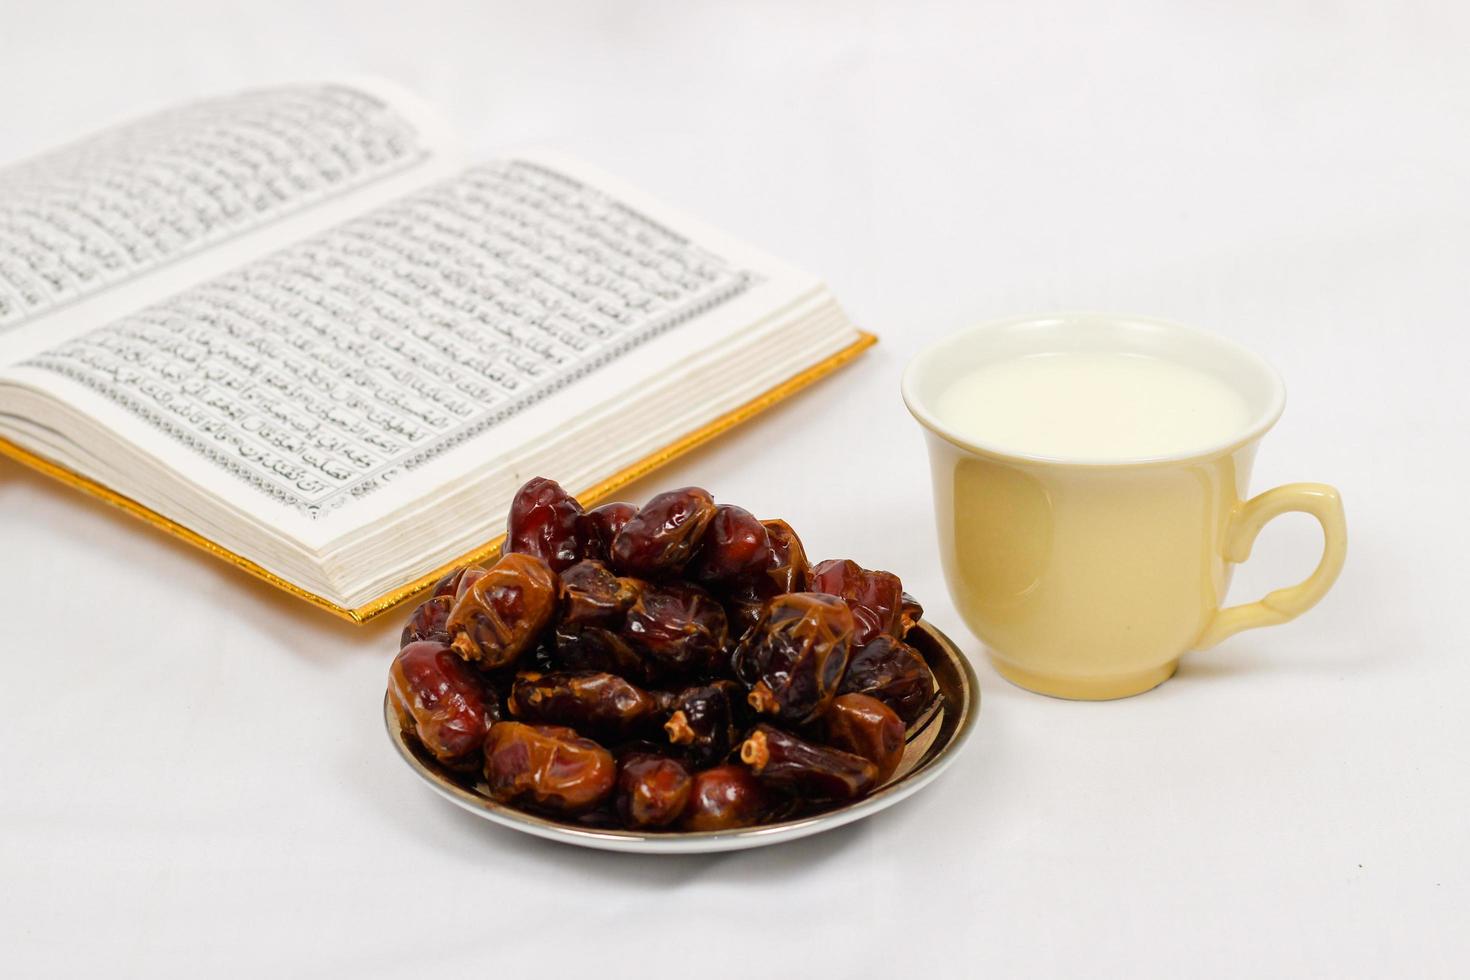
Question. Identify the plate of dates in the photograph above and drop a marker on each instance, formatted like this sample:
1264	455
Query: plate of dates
676	678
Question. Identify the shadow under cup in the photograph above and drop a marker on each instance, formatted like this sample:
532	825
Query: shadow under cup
1089	578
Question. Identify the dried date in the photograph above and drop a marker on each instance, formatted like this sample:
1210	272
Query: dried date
894	673
705	721
788	569
876	598
468	580
653	790
430	621
504	613
451	585
600	525
601	649
793	659
909	614
662	537
440	700
785	571
588	701
735	548
594	604
743	608
680	627
593	595
724	798
544	522
867	727
813	772
547	766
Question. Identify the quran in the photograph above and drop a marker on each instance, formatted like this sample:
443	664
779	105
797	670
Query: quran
295	328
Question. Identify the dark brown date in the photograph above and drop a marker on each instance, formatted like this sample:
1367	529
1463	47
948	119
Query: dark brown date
735	548
593	595
894	673
678	626
600	525
594	602
468	580
503	614
452	585
876	598
909	614
743	608
786	571
601	649
430	621
662	537
724	798
813	772
653	790
705	721
867	727
440	700
544	521
587	701
793	658
547	766
788	568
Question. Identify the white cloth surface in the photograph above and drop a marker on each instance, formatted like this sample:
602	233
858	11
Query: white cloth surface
194	780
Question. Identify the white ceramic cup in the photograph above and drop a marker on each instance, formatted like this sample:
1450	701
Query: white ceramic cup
1089	577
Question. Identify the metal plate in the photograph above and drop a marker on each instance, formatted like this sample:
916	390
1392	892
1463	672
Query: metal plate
933	741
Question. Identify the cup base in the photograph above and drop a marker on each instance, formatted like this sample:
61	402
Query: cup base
1085	688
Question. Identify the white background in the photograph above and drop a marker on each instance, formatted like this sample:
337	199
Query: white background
193	773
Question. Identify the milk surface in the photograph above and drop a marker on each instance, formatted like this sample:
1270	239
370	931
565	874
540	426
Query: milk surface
1093	406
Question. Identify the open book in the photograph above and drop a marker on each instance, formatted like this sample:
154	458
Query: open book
292	327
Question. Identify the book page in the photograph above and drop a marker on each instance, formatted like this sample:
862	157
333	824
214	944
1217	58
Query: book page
325	385
139	211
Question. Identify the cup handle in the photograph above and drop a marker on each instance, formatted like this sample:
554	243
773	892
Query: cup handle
1283	605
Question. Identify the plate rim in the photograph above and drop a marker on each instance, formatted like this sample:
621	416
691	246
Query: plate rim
706	841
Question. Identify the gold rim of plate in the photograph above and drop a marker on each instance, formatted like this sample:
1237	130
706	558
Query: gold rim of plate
932	741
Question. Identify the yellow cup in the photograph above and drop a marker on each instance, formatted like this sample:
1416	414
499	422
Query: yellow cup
1089	579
